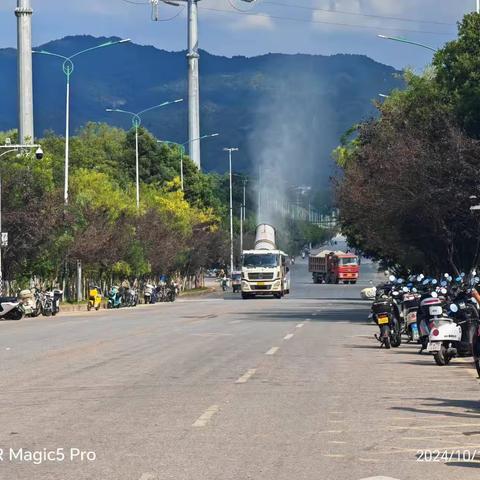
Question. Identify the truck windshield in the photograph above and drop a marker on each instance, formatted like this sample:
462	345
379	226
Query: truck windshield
348	261
262	260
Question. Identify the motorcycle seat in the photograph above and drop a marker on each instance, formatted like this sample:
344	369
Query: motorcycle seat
8	299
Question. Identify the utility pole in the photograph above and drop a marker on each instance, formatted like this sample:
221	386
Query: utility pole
478	6
24	13
230	150
193	84
245	199
242	208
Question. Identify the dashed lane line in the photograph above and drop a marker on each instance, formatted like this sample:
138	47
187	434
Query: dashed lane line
288	337
272	351
203	420
300	325
247	376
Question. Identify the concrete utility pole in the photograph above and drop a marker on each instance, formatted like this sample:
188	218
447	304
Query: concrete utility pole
230	150
193	84
24	13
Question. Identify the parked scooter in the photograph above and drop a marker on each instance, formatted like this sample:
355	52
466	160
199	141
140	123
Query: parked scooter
31	302
114	298
51	302
11	308
384	317
149	294
453	335
94	298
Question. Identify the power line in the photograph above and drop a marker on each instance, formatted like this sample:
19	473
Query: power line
154	11
237	11
358	14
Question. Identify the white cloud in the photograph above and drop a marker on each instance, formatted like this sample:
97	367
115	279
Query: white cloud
254	22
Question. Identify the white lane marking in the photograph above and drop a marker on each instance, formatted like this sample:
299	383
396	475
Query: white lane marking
333	455
440	426
300	325
337	442
206	416
235	321
247	376
288	337
272	351
332	431
212	334
147	476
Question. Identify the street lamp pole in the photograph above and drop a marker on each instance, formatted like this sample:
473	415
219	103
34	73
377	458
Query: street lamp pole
68	67
182	150
136	122
404	40
230	150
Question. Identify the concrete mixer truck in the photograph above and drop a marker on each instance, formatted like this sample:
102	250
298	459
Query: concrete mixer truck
265	269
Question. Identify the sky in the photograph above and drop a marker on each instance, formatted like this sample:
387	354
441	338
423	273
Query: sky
233	27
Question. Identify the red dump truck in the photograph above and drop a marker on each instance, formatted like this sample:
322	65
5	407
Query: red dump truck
334	267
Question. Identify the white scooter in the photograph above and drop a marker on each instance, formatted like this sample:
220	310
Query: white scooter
10	309
444	337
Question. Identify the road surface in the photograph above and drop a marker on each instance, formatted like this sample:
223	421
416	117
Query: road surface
216	388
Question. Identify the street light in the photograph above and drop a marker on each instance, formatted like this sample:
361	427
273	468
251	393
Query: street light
182	150
68	67
230	150
404	40
136	122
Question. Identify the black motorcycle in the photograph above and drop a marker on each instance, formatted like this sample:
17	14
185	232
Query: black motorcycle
383	315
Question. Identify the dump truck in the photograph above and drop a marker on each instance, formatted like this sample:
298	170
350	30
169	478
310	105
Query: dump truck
334	267
265	269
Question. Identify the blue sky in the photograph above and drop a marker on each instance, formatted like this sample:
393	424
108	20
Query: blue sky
289	26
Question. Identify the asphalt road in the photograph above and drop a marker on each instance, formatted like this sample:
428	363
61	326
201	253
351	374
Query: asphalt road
216	388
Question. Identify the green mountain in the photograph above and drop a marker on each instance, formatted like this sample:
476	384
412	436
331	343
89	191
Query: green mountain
287	108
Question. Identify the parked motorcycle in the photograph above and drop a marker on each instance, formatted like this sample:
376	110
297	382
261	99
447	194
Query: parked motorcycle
114	298
94	298
150	294
11	309
453	335
31	302
384	317
51	302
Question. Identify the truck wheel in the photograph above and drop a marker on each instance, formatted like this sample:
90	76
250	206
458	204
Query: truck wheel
245	296
354	282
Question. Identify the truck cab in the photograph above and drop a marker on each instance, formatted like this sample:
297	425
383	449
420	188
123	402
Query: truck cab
265	272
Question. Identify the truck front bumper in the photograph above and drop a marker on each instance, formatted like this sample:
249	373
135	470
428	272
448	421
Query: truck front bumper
262	288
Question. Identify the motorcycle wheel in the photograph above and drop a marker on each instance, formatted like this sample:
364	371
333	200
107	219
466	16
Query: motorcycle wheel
441	357
89	306
15	314
385	336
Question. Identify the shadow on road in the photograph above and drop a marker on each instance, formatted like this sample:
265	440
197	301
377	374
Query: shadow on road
353	315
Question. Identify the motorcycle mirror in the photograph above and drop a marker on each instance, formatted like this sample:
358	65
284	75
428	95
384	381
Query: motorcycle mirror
462	274
446	275
419	278
443	291
400	281
454	308
434	295
414	290
395	293
405	289
458	279
434	282
444	283
392	278
425	282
